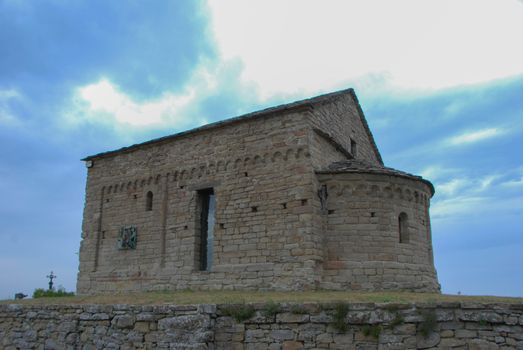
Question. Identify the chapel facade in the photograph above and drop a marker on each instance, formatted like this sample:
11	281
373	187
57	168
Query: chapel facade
294	197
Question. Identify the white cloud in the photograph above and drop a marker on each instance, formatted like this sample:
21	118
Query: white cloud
305	46
476	196
466	186
457	206
474	136
104	102
451	187
6	115
106	98
486	182
436	172
513	183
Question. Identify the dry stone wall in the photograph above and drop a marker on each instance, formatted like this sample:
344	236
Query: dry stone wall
465	325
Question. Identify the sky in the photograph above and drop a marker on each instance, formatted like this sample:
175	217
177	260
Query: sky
440	82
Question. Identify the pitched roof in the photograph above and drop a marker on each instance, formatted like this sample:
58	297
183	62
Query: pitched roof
308	103
359	166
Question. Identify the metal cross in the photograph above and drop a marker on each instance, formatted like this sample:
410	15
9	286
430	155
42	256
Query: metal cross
51	277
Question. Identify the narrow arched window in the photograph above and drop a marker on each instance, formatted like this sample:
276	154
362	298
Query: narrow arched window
353	148
149	201
403	228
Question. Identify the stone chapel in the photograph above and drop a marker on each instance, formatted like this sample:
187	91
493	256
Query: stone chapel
293	197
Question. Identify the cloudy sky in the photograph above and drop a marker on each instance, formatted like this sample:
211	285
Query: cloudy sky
441	84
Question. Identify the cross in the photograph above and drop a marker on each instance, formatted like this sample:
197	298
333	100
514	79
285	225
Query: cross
51	276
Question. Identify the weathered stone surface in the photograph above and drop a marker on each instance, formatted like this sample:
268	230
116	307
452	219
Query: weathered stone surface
292	345
491	317
429	341
322	317
343	339
465	333
451	342
281	334
479	344
447	333
146	316
123	321
253	335
186	322
288	317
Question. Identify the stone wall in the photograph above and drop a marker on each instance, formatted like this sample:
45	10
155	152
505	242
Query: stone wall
466	325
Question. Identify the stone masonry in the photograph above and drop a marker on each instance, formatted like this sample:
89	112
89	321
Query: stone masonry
289	198
444	325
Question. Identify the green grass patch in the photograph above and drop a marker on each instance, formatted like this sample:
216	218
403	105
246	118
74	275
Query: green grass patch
271	308
428	323
298	309
51	293
398	319
240	312
373	331
340	312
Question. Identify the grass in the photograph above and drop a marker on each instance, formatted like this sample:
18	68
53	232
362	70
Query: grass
51	293
340	312
398	319
298	309
429	323
271	309
234	297
373	331
240	312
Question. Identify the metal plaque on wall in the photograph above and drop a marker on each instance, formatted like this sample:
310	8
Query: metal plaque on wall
127	237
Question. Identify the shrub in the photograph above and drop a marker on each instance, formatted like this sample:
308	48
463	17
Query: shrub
51	293
271	309
340	312
240	312
372	331
398	319
429	322
298	309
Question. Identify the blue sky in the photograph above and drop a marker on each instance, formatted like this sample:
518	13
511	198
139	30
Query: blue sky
441	84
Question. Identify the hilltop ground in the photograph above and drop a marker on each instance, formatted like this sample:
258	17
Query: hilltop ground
227	297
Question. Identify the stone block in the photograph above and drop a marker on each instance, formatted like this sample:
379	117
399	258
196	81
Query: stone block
288	317
141	326
254	335
451	342
292	345
186	322
282	334
478	344
447	334
479	316
343	339
123	321
465	333
429	341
